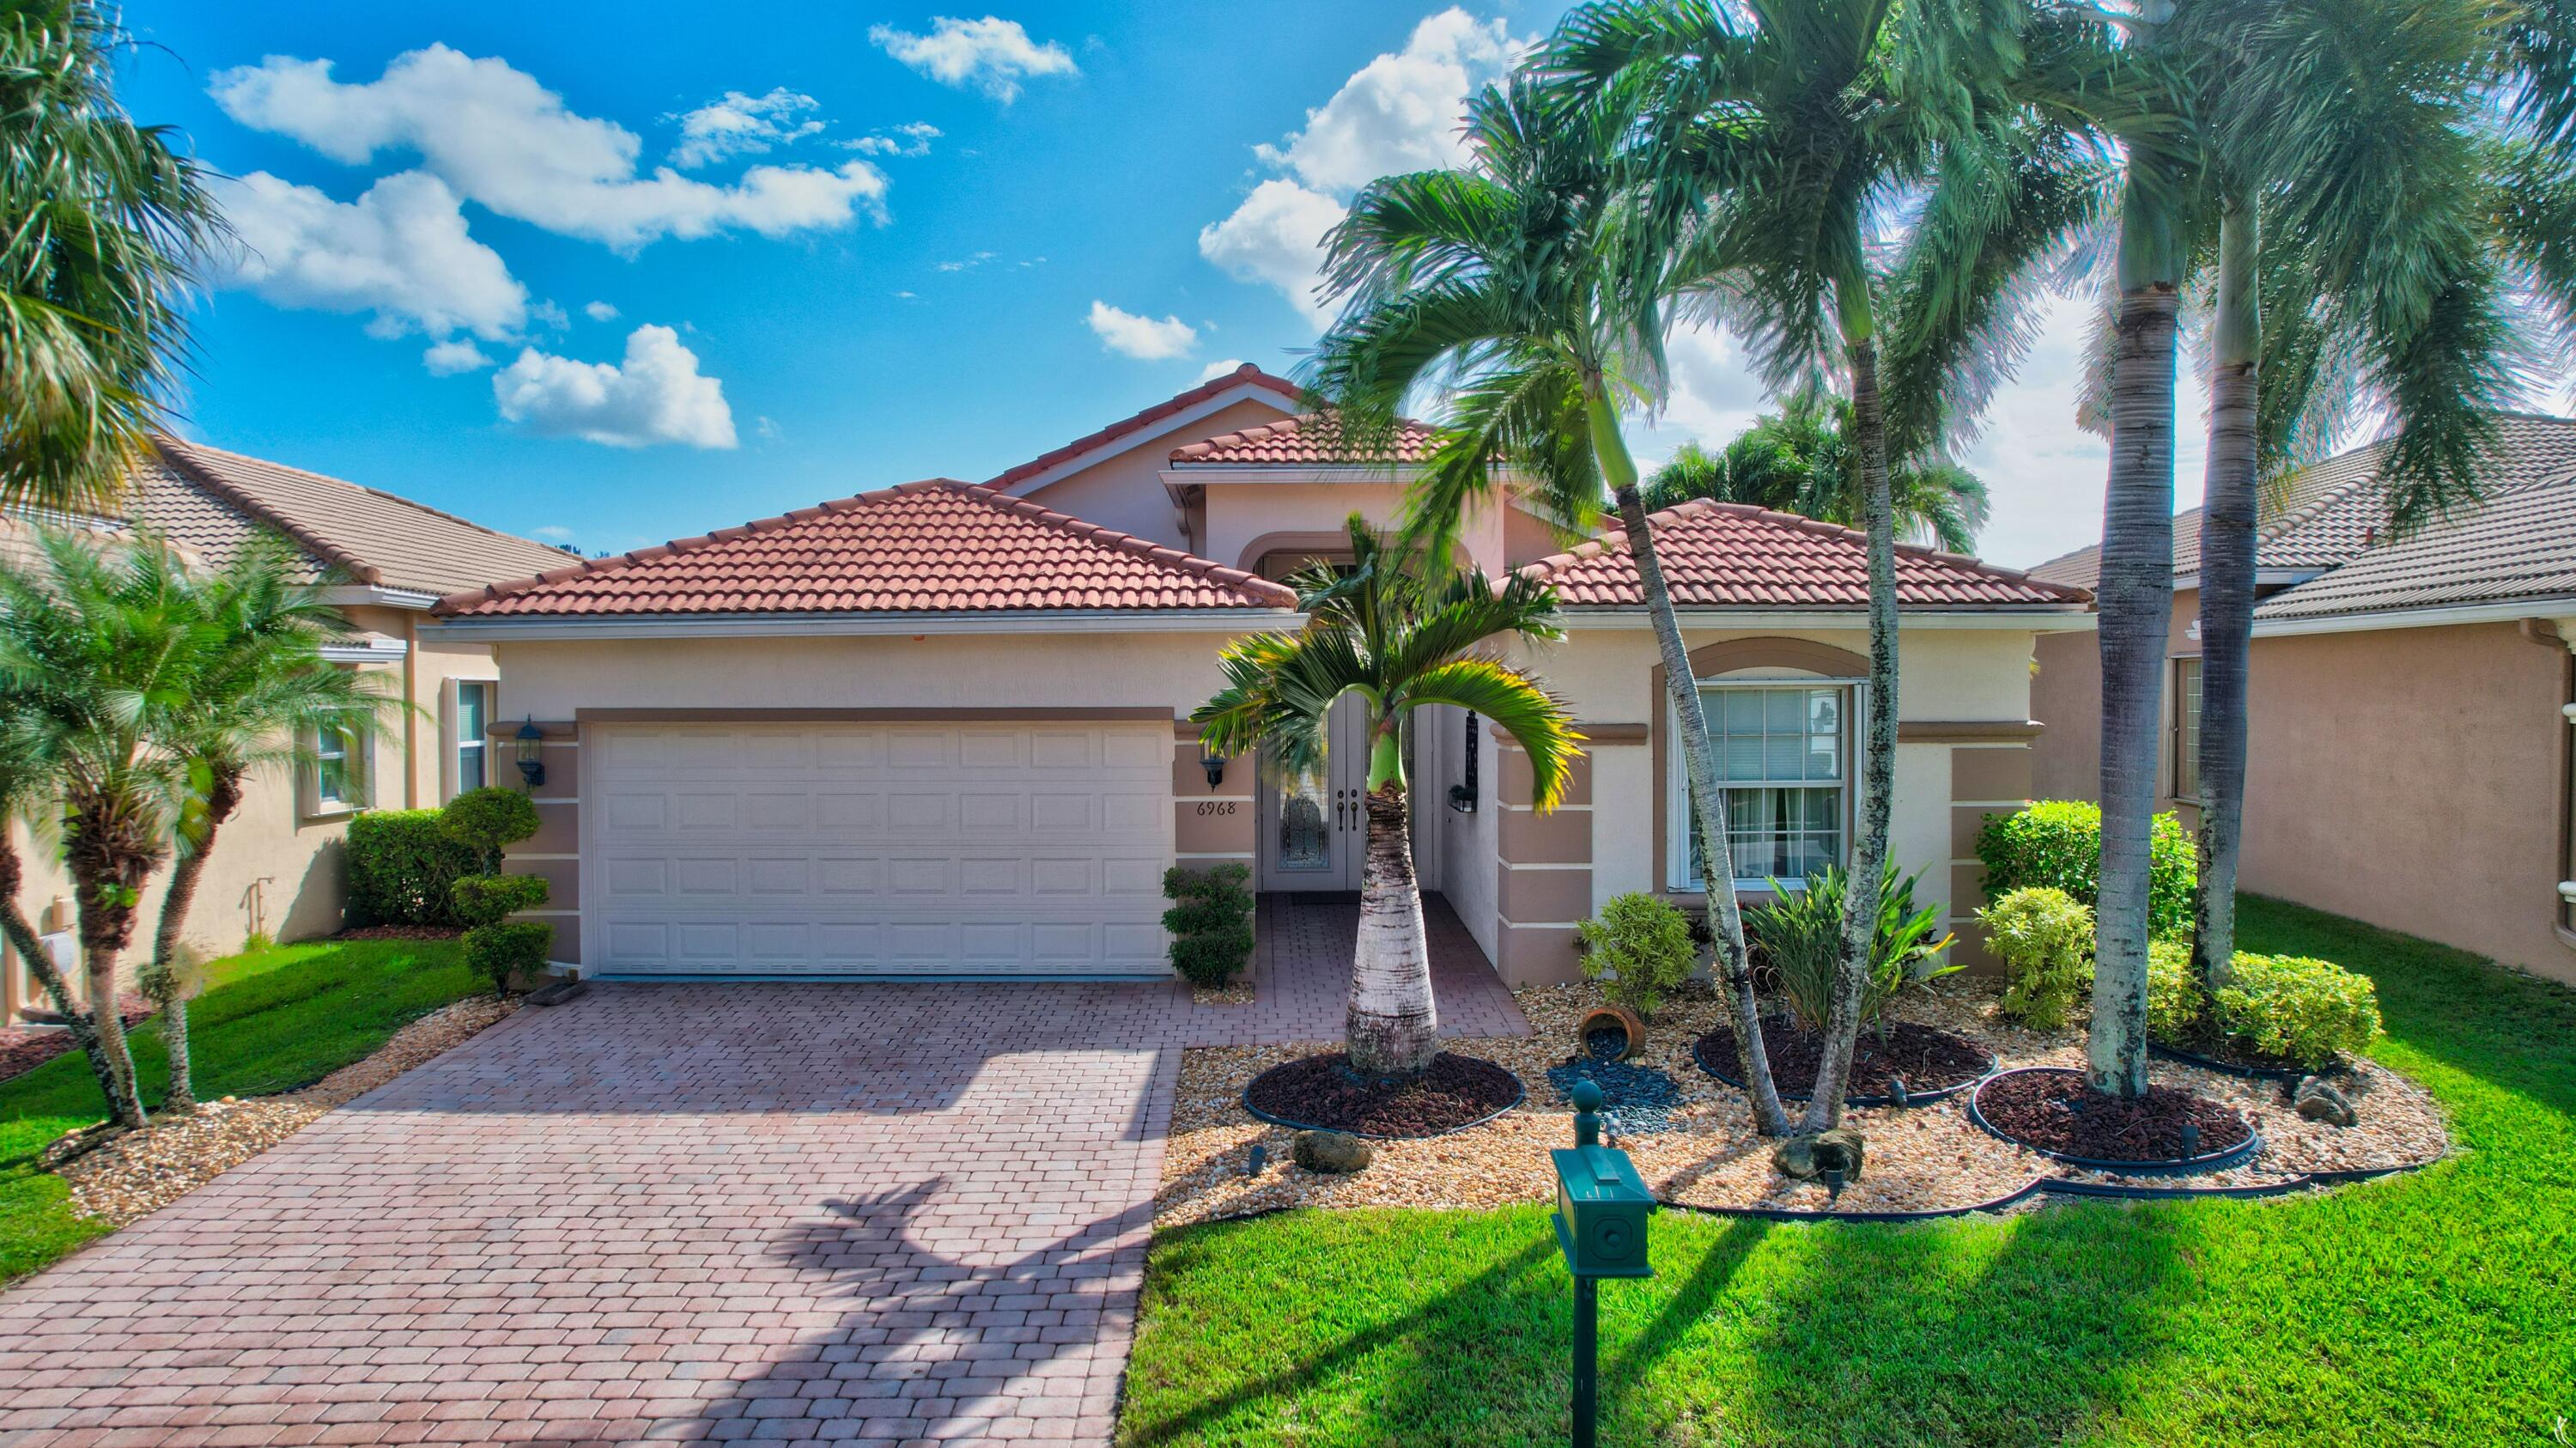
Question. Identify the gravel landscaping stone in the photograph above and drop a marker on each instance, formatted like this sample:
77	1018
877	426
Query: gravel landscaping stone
134	1173
1925	1158
1634	1099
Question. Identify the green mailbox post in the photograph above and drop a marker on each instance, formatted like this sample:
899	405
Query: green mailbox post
1601	1210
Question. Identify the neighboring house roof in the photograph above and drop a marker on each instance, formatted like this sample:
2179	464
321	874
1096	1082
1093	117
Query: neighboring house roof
938	545
1308	438
2520	543
1246	375
213	501
2334	510
1734	555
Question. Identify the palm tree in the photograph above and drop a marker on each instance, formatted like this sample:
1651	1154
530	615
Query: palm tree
258	693
1774	140
1377	629
92	644
1528	279
25	795
102	224
1800	460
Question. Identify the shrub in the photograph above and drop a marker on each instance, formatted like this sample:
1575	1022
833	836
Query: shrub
401	863
1210	922
1801	937
2173	1000
482	900
2058	843
2044	937
1637	948
2296	1008
487	821
508	951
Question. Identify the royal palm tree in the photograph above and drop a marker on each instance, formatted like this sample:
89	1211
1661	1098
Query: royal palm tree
1527	280
1379	630
258	694
92	644
1773	145
102	223
1800	460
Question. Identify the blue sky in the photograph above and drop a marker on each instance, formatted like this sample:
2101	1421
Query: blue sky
607	275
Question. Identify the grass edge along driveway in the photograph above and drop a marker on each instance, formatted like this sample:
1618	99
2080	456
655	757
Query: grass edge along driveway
2432	1307
269	1021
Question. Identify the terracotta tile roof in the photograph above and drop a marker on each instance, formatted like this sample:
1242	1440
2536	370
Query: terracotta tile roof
213	501
2334	509
1243	376
933	546
1310	438
1733	555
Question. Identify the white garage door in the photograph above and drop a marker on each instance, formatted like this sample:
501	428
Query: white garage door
839	849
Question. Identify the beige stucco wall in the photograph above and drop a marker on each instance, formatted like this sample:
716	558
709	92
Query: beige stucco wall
1240	516
1125	491
2414	778
2066	694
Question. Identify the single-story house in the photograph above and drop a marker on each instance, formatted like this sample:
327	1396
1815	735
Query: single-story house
382	560
939	729
2409	744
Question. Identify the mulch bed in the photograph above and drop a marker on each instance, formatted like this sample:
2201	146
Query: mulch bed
24	1048
1929	1058
401	932
2230	1052
2057	1111
1324	1092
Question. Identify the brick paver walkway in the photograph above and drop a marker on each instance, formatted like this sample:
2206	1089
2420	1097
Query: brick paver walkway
869	1213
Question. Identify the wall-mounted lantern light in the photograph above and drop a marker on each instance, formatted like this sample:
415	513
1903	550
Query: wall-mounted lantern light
1214	764
532	744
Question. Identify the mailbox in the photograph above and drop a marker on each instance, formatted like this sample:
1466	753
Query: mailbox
1601	1202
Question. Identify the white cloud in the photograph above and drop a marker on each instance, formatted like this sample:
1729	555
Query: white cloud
906	140
553	531
400	252
1275	238
655	395
1142	338
991	55
546	316
503	141
1402	111
600	311
741	125
1215	370
966	263
446	359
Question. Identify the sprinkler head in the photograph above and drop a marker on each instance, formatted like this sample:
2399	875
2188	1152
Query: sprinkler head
1896	1090
2190	1139
1833	1183
1260	1156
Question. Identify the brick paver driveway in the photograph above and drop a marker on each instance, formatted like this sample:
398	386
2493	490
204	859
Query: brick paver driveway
854	1213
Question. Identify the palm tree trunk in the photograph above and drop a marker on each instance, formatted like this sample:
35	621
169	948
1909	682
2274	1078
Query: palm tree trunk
106	882
23	939
2227	547
1393	1027
124	1098
223	796
2136	600
1708	802
1878	776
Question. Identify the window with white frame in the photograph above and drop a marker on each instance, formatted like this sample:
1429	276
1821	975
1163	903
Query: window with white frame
1783	757
339	768
473	746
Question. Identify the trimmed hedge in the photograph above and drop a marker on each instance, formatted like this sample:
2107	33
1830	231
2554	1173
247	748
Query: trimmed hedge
1210	922
511	951
2296	1008
403	866
2058	843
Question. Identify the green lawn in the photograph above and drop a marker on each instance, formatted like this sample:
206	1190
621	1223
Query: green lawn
271	1020
2436	1307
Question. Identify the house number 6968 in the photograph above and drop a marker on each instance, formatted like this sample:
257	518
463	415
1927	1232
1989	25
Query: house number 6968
1217	806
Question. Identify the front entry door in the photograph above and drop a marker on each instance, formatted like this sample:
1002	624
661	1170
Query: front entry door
1314	828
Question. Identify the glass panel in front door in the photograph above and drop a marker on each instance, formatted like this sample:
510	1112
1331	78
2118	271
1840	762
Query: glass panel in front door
1314	826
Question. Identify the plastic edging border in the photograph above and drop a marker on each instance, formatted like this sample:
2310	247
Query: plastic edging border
2227	1068
1520	1093
2065	1187
1912	1098
2213	1161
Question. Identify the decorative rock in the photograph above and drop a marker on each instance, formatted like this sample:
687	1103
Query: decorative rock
2318	1101
1336	1152
1809	1157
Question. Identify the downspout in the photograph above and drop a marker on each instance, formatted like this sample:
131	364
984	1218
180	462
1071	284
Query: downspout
411	710
2560	636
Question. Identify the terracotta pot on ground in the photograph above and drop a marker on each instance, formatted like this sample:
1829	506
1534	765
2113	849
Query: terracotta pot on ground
1602	1018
